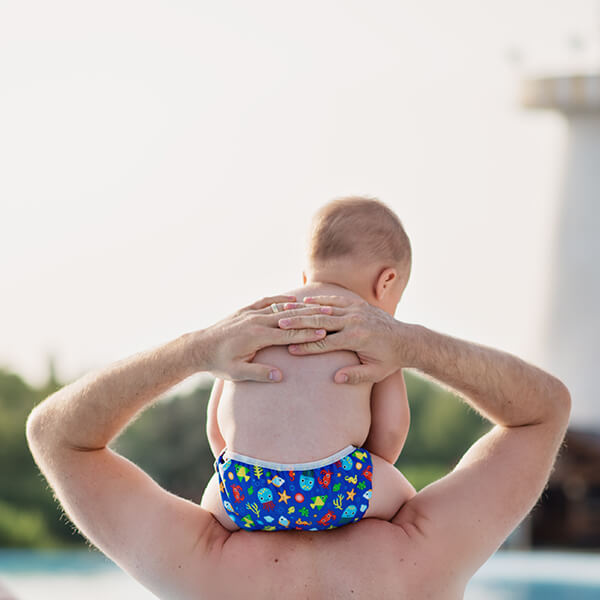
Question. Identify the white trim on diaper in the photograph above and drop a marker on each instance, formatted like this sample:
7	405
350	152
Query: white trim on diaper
290	466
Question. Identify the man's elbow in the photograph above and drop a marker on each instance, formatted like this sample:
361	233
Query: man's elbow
566	400
34	430
561	402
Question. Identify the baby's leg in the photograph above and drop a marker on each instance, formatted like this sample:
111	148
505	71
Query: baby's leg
390	490
211	501
213	433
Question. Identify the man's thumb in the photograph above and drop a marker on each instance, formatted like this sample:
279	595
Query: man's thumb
354	375
256	372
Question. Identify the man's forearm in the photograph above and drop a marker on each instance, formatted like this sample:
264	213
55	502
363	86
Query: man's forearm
90	412
504	388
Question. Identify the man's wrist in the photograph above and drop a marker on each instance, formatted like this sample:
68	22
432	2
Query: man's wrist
196	350
409	341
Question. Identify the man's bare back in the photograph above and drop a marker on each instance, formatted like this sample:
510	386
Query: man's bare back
370	559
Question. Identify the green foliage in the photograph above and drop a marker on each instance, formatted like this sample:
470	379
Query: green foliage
29	516
442	429
422	474
169	442
24	528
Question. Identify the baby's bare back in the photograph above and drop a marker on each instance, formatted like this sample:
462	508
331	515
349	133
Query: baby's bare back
306	416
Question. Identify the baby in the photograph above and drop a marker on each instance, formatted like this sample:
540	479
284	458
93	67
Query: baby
307	453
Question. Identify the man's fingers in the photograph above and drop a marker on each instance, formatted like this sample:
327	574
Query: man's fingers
282	300
326	344
267	316
267	301
360	374
257	372
284	307
340	301
317	320
283	337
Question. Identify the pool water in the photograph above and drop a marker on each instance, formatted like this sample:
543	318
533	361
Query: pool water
88	574
80	575
537	576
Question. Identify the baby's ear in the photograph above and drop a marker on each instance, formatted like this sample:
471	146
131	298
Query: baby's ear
385	280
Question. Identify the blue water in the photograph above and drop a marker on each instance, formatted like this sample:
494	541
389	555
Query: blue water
537	576
506	576
53	561
533	591
79	575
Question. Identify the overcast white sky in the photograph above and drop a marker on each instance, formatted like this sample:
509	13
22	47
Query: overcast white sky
160	161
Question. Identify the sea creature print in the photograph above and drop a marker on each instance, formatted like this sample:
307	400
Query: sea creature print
347	463
307	481
318	502
265	495
237	493
301	522
328	516
242	472
324	478
276	481
283	521
349	512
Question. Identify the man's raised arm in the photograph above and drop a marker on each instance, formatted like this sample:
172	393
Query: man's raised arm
464	517
471	511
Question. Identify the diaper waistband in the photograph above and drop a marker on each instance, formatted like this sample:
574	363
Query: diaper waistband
227	454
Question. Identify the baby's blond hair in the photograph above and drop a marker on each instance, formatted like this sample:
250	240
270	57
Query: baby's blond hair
359	228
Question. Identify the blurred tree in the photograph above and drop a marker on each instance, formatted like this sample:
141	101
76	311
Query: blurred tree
169	442
442	429
28	513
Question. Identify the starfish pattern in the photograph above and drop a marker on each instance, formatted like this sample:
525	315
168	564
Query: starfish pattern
283	497
350	495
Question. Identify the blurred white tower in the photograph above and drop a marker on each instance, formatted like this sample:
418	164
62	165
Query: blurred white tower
572	343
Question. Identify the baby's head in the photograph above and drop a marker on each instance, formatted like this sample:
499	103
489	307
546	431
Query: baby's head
360	244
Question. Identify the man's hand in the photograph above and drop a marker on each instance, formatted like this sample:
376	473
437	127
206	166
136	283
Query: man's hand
227	348
382	344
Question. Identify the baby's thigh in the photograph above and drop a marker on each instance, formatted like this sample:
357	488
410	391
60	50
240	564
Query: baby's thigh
390	490
211	501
